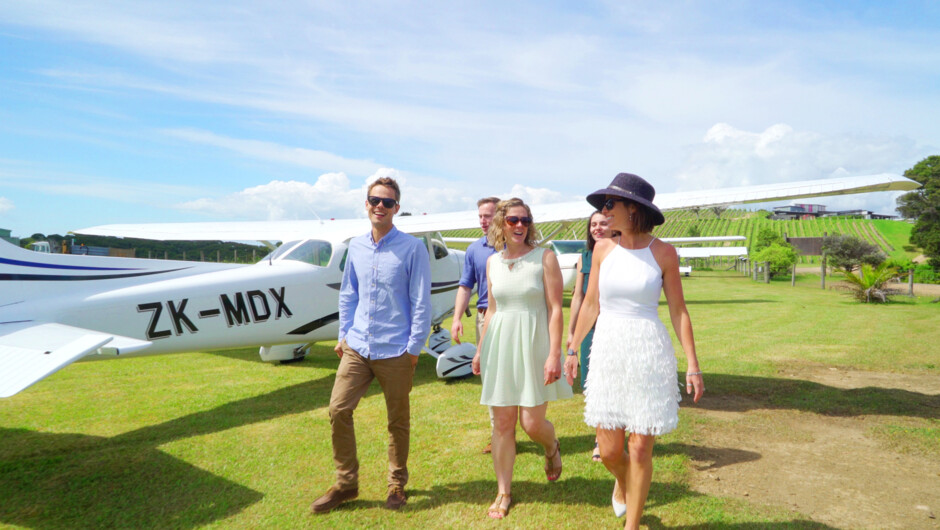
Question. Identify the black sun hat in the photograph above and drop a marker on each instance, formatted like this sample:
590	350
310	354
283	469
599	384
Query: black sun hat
631	187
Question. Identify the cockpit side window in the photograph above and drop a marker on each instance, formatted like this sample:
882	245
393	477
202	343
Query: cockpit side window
312	251
435	246
280	251
440	249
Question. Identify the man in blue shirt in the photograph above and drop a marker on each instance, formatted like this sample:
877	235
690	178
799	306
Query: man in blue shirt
474	272
384	319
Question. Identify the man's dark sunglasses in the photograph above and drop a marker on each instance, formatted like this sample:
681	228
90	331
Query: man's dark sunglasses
513	220
388	203
609	204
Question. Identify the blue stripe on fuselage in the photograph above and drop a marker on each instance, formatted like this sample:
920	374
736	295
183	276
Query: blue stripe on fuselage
63	278
69	267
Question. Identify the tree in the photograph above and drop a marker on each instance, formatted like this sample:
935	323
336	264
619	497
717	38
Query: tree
869	285
767	237
719	210
694	231
780	256
924	205
847	252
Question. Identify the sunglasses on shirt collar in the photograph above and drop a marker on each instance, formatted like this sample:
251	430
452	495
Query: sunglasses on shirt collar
388	203
513	220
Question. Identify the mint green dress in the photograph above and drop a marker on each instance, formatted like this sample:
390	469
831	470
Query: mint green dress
516	344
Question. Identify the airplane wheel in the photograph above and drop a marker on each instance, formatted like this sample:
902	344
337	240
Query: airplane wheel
294	360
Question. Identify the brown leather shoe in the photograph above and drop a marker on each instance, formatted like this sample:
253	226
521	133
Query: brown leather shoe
396	498
333	498
488	449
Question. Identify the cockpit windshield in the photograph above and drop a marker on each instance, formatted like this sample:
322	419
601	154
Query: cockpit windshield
312	251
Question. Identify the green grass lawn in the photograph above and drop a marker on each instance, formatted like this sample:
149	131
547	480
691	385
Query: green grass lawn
224	440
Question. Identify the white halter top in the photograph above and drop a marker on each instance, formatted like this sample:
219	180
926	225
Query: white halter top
630	283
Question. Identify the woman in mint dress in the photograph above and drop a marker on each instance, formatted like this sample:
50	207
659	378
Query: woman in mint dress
519	356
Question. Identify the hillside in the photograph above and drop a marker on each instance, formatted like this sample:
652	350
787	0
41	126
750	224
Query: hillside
890	236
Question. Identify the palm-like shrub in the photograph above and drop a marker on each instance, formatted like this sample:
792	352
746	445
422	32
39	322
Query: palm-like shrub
869	285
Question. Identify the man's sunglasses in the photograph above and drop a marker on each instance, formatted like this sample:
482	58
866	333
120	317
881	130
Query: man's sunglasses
609	204
388	203
513	220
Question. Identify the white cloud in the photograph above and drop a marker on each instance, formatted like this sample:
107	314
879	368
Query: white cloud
728	156
478	95
533	196
329	196
332	195
5	205
271	151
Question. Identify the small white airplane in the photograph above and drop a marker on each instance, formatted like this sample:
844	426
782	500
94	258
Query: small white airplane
56	309
569	252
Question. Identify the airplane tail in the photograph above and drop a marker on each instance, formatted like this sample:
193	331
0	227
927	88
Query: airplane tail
27	275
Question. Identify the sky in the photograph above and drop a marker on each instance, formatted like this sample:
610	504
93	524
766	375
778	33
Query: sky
141	111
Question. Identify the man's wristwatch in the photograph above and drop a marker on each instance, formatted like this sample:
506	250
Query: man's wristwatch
571	352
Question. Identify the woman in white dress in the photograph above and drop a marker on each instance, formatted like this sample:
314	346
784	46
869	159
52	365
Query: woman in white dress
631	387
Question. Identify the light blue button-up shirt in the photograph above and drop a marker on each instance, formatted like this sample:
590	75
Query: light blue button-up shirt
385	297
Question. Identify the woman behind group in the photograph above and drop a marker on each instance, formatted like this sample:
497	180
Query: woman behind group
632	382
597	228
519	355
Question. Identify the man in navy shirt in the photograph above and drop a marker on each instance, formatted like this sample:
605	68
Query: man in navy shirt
474	272
384	319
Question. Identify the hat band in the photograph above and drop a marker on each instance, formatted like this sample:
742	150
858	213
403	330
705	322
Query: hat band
628	192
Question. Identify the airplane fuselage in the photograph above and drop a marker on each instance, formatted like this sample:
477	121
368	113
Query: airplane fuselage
182	306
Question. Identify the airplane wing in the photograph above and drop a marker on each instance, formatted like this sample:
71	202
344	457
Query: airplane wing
708	252
343	229
784	190
332	229
30	352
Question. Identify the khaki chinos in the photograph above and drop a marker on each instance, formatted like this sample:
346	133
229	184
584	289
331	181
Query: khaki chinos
353	378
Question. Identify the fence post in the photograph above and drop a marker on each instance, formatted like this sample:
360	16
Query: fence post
910	282
766	272
822	272
793	275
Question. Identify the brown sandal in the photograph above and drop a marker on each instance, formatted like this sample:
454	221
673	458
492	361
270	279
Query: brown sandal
551	472
497	510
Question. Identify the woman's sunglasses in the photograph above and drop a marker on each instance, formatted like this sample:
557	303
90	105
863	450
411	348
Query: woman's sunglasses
388	203
513	220
609	204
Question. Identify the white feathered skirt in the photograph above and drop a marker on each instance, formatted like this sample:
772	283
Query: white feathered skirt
632	384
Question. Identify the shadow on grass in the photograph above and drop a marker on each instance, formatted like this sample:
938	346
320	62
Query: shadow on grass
80	481
705	458
730	301
654	523
739	393
567	496
118	487
317	355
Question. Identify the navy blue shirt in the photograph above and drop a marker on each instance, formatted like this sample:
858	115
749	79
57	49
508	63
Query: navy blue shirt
474	269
